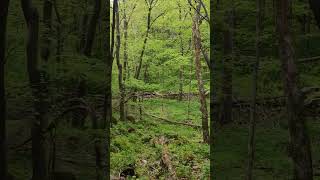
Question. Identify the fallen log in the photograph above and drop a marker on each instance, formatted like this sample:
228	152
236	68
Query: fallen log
174	122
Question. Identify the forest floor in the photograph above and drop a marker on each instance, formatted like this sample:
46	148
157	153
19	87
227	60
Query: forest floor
138	144
272	161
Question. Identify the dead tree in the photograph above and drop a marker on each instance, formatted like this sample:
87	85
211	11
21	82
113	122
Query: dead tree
300	148
39	91
3	116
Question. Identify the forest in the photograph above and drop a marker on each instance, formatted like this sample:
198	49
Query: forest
159	89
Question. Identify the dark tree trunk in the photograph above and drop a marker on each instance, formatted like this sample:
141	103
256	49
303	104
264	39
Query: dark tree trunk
59	46
108	91
300	148
39	91
83	30
253	114
202	96
99	166
92	28
315	6
3	116
226	106
47	20
213	94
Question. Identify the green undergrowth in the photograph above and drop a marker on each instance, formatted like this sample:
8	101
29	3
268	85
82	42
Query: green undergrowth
135	144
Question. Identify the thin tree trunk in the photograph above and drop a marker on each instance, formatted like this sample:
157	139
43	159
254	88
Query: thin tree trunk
3	116
92	28
137	74
213	94
120	73
202	96
181	83
108	91
300	148
253	113
151	4
39	90
125	45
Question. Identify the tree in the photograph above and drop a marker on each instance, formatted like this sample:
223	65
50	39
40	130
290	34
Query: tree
119	64
47	20
300	150
202	95
213	112
39	90
253	114
108	91
126	21
315	6
92	28
3	116
226	106
150	4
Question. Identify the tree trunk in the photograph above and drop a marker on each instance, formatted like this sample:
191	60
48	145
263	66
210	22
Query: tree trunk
3	116
202	96
108	91
59	46
137	74
300	150
125	46
47	20
253	114
120	73
39	90
213	95
92	28
226	106
83	30
181	83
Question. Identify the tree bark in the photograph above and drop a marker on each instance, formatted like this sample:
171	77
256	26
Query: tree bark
39	90
300	148
4	4
92	28
47	20
137	74
253	114
59	46
213	94
108	91
226	106
120	72
202	96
